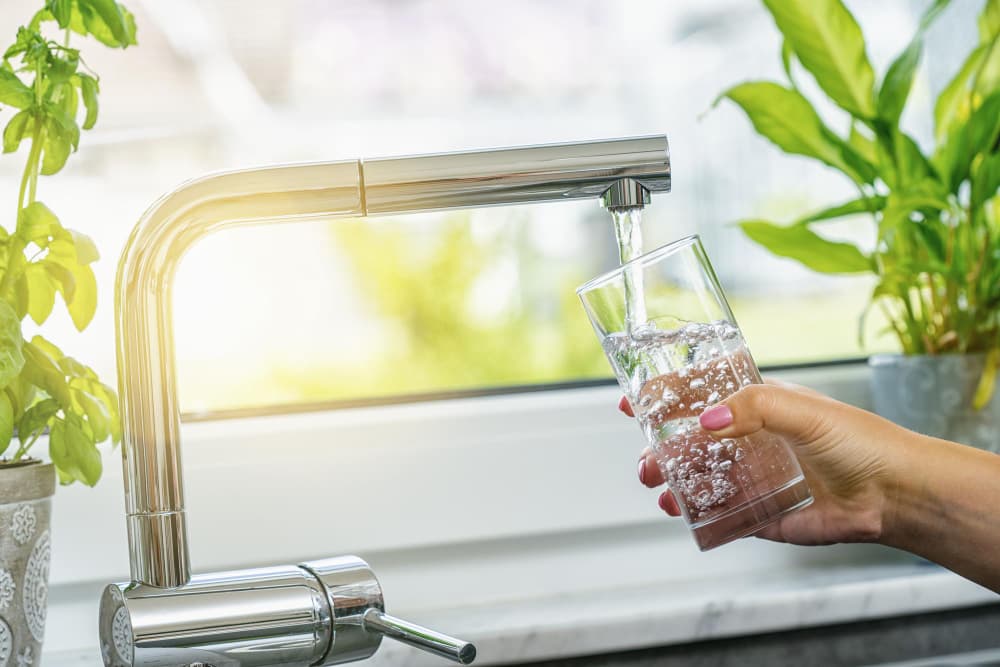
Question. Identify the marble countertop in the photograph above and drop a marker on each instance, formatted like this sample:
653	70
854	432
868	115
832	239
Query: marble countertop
674	613
671	612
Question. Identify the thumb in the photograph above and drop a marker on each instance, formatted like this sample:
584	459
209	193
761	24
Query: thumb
778	409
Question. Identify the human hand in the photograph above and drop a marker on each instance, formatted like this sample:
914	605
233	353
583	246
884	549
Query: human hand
845	453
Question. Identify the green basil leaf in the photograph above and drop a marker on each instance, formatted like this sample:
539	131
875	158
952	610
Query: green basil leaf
84	303
16	128
13	92
986	182
805	246
41	292
853	207
35	420
106	395
786	118
108	22
61	68
89	89
11	344
62	277
86	249
49	348
828	42
61	10
6	422
41	16
76	370
73	450
56	148
38	224
43	372
98	417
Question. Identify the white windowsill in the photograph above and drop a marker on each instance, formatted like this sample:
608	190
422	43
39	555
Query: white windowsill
513	521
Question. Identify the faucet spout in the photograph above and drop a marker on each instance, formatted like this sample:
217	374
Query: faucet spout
154	494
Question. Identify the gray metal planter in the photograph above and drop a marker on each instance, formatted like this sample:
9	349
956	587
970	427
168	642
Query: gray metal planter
932	394
25	512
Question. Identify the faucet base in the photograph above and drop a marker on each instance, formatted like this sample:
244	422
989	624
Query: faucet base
319	613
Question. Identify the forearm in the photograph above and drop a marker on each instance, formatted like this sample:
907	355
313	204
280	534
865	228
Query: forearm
944	504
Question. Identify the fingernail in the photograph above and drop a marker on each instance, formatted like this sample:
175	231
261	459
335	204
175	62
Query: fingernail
642	470
716	418
625	407
664	502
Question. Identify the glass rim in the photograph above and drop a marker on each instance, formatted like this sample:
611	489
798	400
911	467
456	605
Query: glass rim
644	260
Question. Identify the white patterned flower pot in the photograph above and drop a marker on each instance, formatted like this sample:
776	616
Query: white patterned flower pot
25	511
933	395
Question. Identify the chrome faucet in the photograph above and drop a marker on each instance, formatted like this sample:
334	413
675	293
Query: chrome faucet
321	612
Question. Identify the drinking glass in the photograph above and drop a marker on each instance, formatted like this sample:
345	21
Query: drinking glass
682	355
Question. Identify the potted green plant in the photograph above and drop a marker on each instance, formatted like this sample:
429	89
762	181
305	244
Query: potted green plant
51	95
934	213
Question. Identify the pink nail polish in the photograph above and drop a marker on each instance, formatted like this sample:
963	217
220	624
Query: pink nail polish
662	502
716	418
625	407
642	470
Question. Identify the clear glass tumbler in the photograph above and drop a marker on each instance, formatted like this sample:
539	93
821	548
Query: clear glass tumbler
682	355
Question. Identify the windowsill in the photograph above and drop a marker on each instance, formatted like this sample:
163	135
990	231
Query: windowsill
475	524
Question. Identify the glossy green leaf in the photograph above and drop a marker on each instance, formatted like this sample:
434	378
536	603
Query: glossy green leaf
41	292
61	11
13	92
987	381
898	81
953	105
986	181
989	21
73	451
978	135
805	246
15	131
84	303
910	164
828	42
89	89
853	207
786	60
786	118
863	145
6	422
11	344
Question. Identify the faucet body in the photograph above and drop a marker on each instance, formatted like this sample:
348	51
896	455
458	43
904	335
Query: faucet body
203	611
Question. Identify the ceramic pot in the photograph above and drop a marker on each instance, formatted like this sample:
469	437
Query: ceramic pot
932	394
25	512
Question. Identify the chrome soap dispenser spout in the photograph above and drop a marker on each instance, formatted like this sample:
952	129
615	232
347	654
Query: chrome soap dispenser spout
324	612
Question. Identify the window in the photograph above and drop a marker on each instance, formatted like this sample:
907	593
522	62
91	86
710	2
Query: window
464	300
